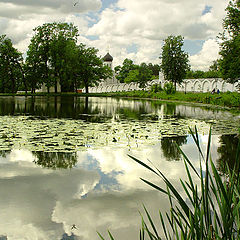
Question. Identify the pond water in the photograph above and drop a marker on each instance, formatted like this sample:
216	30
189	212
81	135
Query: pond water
65	170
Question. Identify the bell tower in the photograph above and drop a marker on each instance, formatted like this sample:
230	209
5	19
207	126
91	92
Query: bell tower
108	60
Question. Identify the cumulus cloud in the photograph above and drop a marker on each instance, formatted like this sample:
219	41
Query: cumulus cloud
19	18
209	53
121	24
147	23
45	6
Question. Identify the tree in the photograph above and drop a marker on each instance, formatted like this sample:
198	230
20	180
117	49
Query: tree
144	75
132	76
230	46
154	68
90	68
174	60
11	61
46	56
122	72
213	72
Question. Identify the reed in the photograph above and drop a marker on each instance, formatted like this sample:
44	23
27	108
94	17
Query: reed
213	209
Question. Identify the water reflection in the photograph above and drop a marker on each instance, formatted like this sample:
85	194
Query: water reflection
55	160
66	237
227	152
170	149
103	191
45	193
79	107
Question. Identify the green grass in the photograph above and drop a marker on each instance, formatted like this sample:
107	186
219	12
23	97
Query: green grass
229	99
213	211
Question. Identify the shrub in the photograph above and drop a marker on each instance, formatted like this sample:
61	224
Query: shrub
156	88
169	88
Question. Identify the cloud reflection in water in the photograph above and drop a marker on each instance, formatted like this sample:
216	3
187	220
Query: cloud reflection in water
103	191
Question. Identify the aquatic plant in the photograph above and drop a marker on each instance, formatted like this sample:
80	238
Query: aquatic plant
212	209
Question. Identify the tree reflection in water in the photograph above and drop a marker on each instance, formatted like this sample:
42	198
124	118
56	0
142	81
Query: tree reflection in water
169	147
4	154
55	160
227	152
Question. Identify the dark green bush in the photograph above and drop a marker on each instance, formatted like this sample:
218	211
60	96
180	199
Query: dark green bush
156	88
169	88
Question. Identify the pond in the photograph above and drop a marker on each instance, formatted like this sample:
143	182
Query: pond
65	170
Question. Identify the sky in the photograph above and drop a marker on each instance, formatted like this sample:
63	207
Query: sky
132	29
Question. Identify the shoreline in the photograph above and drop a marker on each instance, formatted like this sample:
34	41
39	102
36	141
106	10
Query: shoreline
228	100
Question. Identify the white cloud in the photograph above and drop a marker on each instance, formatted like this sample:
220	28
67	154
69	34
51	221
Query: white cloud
146	23
206	56
143	23
23	7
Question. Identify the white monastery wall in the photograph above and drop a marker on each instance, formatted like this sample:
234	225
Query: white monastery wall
188	85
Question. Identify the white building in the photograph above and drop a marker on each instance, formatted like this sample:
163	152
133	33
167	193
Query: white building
108	59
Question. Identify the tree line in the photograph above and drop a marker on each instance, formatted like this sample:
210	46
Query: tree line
53	58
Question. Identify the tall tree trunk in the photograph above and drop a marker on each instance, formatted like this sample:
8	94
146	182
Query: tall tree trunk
55	86
23	76
86	88
13	82
75	84
55	81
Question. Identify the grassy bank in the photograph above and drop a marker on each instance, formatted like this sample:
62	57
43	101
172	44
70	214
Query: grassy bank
228	99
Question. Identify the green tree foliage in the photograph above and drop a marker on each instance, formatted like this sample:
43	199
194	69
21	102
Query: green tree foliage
11	70
47	53
144	75
174	60
155	68
54	57
132	76
211	73
230	46
130	72
90	68
230	59
156	88
168	88
123	71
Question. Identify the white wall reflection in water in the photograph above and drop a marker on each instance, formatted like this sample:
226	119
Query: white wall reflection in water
103	191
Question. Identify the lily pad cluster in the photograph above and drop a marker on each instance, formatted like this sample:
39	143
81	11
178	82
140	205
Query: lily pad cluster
68	135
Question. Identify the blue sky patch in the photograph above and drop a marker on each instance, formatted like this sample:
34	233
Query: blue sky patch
206	10
132	48
107	3
193	47
92	37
